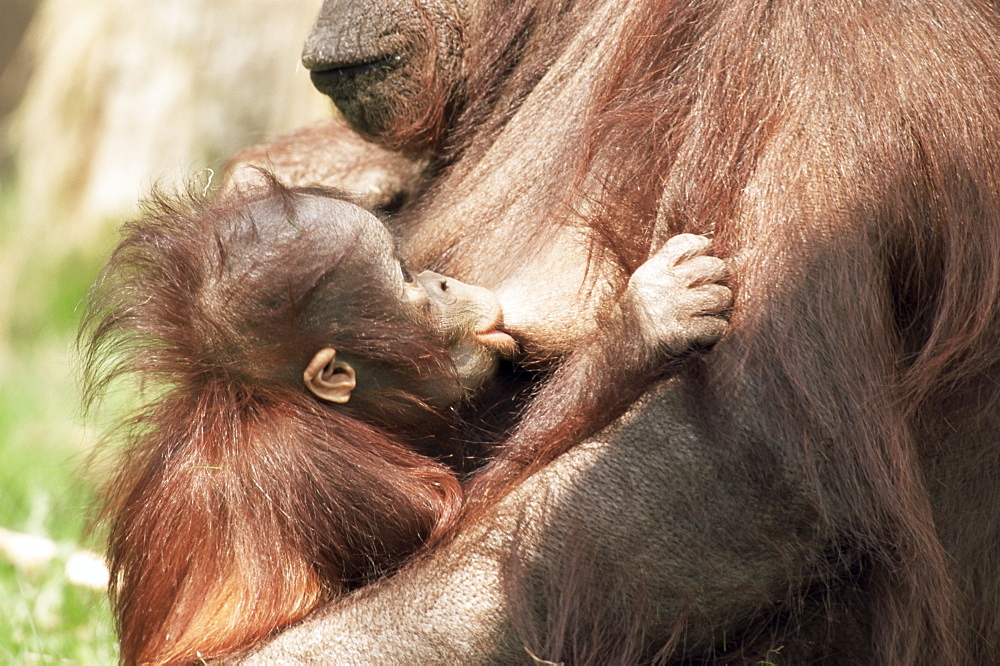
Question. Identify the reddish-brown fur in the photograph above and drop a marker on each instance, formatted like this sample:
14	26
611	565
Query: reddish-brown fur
239	502
846	157
905	259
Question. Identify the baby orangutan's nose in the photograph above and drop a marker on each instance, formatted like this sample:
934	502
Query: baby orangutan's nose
463	309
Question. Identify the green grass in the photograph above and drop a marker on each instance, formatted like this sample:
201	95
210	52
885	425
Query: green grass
46	620
43	446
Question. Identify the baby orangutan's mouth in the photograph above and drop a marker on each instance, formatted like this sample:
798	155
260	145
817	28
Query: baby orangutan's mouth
495	338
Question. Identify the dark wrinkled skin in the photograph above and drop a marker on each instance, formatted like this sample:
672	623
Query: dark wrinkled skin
362	67
691	507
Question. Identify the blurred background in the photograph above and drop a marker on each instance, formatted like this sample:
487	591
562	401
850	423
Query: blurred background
99	102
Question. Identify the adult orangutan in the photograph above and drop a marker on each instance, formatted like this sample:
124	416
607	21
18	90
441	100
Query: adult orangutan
822	486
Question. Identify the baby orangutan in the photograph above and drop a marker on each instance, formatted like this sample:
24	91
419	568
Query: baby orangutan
299	377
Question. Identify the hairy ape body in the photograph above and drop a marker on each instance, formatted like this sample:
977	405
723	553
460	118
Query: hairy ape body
299	378
821	487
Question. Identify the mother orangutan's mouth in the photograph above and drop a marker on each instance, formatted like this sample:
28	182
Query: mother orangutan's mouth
337	74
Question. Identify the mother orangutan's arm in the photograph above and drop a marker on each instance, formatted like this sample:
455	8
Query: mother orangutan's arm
650	513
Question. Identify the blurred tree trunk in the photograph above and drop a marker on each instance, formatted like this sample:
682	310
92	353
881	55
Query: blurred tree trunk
123	95
114	97
16	15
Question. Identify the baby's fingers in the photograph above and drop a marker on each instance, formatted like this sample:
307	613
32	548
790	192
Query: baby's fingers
680	248
709	299
700	270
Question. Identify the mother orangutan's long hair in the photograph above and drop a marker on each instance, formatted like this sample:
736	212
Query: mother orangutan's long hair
238	502
845	156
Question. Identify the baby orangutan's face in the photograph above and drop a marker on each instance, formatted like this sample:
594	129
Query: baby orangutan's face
469	320
466	319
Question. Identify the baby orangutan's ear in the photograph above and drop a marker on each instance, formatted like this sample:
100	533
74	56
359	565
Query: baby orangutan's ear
329	379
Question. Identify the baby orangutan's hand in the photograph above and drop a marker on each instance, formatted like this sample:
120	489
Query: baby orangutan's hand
677	296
